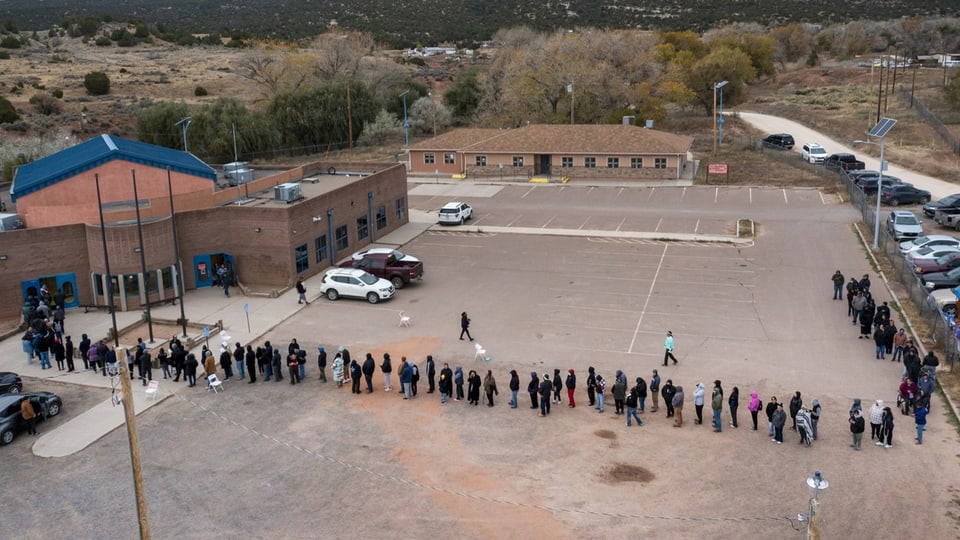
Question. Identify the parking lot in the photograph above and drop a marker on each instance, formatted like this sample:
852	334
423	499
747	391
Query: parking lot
275	460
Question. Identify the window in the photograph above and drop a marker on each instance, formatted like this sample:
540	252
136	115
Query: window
613	163
566	161
381	217
301	258
131	285
481	161
429	158
449	159
636	163
166	274
151	282
660	163
518	161
401	208
342	241
363	229
320	247
590	162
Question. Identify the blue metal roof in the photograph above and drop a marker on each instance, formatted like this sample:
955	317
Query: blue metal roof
92	153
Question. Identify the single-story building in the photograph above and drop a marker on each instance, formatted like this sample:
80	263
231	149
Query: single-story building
561	150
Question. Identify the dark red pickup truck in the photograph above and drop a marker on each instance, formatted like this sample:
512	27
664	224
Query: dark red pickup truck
386	266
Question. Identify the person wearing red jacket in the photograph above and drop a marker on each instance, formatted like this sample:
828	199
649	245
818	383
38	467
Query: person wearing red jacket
908	393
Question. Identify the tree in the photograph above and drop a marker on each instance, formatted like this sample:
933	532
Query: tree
8	113
157	124
463	96
97	83
274	71
953	90
339	53
318	115
386	127
790	43
722	64
429	116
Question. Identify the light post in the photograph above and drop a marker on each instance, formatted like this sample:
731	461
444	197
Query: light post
570	91
717	122
879	131
817	483
406	125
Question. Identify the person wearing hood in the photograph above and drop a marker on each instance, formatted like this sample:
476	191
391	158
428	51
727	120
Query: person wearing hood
734	403
876	419
355	373
795	403
458	382
632	401
431	370
601	390
490	387
641	388
445	384
930	363
532	388
406	377
667	393
771	408
677	406
920	418
571	384
591	386
886	429
655	391
337	370
514	388
754	408
619	393
716	404
473	388
278	375
814	416
778	420
557	386
856	429
698	399
322	363
386	366
855	407
369	368
545	388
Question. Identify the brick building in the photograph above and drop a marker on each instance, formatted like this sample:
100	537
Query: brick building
563	150
268	242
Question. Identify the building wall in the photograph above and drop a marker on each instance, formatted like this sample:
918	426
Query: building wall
32	253
417	163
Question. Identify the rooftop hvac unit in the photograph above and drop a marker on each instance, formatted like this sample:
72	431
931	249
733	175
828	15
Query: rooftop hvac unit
239	176
288	192
234	166
9	222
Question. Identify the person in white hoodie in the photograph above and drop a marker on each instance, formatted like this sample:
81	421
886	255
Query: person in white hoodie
876	419
698	403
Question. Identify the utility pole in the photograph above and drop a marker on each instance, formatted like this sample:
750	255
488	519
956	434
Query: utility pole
130	416
817	483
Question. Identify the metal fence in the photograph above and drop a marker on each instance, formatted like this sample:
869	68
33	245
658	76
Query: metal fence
941	329
932	119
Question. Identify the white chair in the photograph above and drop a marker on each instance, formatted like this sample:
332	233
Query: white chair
404	319
215	383
481	352
152	388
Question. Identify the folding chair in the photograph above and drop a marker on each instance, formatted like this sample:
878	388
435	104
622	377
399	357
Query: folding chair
404	319
481	352
152	388
215	383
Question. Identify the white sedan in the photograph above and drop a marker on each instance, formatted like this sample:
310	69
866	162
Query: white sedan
930	252
355	283
929	240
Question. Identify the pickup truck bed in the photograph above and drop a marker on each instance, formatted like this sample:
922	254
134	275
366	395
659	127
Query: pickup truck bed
948	217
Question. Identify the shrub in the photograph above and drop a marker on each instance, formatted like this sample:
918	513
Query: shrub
200	91
97	83
4	55
103	41
45	104
57	93
8	114
10	42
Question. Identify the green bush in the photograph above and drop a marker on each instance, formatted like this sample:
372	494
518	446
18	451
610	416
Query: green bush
103	41
4	55
10	42
97	83
200	91
45	105
7	112
57	93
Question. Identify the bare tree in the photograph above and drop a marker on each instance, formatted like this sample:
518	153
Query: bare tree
339	54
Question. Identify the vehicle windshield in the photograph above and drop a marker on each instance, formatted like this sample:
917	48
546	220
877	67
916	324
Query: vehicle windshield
944	259
399	254
953	274
920	241
907	220
818	151
923	251
368	278
948	200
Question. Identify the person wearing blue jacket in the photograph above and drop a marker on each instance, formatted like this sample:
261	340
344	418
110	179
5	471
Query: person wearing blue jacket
406	377
668	349
920	417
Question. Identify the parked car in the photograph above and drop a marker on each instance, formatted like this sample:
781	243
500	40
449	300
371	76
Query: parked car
355	283
401	256
778	141
898	194
387	266
930	252
813	152
950	201
903	224
455	212
942	280
930	239
862	173
843	162
10	383
940	264
46	405
945	300
868	184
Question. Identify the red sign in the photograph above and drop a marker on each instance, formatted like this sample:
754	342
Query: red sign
717	168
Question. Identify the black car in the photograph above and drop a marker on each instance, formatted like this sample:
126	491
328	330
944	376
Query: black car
778	141
869	183
843	162
10	383
903	194
942	280
45	404
950	201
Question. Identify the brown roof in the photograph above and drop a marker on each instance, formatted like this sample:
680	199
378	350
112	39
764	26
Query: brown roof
562	139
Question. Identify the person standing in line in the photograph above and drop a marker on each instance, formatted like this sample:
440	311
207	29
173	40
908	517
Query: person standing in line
458	382
190	366
778	420
795	403
571	384
532	388
179	356
29	415
59	353
301	365
716	403
557	386
619	393
209	366
369	368
641	393
677	406
852	289
446	383
226	361
146	367
473	388
591	386
84	349
164	363
857	305
655	391
415	378
876	420
514	388
293	366
386	366
856	429
601	389
465	326
920	418
301	292
277	374
734	403
754	408
238	354
805	426
838	281
771	408
887	430
346	361
899	343
337	370
322	362
68	351
698	400
633	399
431	370
406	377
668	349
250	357
265	362
814	416
879	342
355	374
490	387
546	387
667	393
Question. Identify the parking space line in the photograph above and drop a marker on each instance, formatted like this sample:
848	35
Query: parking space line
785	196
716	195
524	196
514	220
659	222
620	192
653	284
683	192
589	191
479	219
651	193
822	200
621	223
751	195
585	222
696	227
544	226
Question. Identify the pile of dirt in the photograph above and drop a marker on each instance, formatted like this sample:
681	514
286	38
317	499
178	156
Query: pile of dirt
623	472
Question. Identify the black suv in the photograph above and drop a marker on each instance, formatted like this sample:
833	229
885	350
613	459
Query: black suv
778	141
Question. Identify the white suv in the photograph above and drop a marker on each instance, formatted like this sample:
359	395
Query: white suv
813	152
455	212
356	283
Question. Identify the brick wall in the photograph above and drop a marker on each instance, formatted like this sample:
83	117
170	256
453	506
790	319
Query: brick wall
32	253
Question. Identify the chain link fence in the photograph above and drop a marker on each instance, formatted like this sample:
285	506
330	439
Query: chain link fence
940	325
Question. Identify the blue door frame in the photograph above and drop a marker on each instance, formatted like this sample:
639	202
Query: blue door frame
205	267
66	282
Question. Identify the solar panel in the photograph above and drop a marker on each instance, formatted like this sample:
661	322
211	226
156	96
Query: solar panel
882	127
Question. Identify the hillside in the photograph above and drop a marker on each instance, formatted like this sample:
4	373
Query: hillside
405	23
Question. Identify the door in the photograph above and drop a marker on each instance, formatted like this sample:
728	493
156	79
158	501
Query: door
544	164
202	270
63	282
67	283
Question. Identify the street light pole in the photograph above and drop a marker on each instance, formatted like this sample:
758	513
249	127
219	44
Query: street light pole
717	122
879	131
406	125
817	483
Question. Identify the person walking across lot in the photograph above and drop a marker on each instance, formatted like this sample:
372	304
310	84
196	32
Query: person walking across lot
668	349
301	292
465	326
